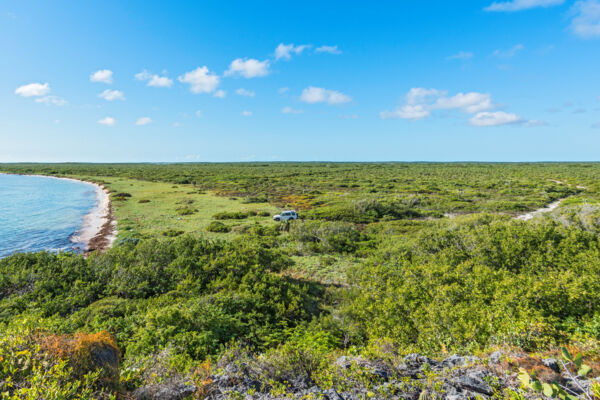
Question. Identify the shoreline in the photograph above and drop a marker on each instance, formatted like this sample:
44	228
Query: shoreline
98	228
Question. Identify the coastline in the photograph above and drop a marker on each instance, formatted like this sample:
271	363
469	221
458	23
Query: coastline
98	229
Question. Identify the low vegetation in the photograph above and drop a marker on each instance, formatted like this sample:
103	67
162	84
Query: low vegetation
386	260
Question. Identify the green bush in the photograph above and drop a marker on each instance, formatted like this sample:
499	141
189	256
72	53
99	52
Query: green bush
231	215
218	227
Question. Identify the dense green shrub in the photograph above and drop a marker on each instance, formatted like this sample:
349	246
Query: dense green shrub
328	237
479	284
218	227
190	294
231	215
186	210
172	233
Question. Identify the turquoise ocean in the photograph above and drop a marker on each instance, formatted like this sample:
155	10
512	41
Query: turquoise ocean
40	213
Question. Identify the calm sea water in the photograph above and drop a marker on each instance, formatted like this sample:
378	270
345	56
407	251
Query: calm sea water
38	213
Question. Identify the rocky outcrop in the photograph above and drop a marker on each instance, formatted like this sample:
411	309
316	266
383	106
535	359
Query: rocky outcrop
414	377
167	391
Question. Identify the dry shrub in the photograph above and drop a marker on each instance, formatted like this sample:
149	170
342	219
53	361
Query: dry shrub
86	352
298	201
202	378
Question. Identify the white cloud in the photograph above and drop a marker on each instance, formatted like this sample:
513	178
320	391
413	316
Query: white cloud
407	111
108	121
246	113
421	102
313	95
102	75
284	90
508	53
51	100
328	49
199	114
144	121
200	80
110	95
586	18
33	90
422	95
495	118
153	79
468	102
284	51
290	110
518	5
220	94
461	55
248	68
244	92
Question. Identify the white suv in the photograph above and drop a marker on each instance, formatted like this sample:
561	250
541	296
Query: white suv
286	216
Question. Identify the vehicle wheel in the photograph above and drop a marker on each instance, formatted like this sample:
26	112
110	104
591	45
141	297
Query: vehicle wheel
277	219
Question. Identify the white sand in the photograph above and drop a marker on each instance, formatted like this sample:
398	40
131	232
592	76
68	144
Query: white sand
95	220
548	208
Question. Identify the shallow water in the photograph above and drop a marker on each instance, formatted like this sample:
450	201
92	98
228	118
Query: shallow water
39	213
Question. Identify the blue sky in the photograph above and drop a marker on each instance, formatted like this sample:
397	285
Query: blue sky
264	81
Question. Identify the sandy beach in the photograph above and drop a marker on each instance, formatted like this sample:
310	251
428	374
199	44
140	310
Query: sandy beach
98	230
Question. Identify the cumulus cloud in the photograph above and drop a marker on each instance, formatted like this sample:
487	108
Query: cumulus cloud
102	75
284	90
248	68
421	103
153	79
199	114
586	18
495	118
246	113
406	111
461	55
108	121
290	110
284	51
110	95
220	94
328	49
518	5
313	95
144	121
509	53
200	80
51	100
244	92
33	90
468	102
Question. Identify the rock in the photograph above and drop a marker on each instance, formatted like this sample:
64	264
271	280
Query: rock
379	369
332	394
417	359
473	382
495	357
346	362
167	391
552	364
455	361
231	368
